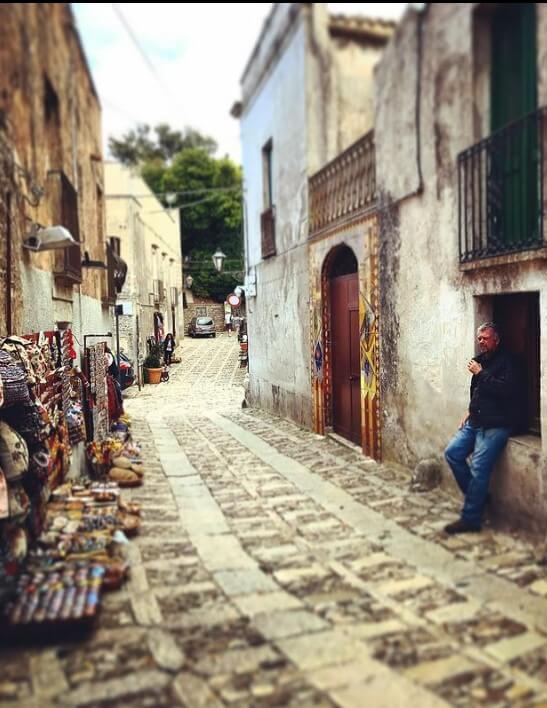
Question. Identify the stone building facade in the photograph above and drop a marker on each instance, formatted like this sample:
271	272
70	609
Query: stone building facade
51	173
306	96
148	236
460	167
423	230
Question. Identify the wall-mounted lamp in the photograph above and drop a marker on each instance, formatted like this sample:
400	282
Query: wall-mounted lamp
189	281
36	191
46	239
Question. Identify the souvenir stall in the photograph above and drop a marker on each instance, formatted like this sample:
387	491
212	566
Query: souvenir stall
97	394
61	539
34	437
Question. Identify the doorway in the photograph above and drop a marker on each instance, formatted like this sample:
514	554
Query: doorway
343	288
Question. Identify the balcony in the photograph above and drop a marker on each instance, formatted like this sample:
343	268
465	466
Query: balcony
343	188
110	297
267	230
64	199
158	291
501	191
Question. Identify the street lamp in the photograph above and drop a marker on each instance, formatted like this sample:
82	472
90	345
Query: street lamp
218	259
189	281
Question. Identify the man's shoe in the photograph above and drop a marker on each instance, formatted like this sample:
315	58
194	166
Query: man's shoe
461	526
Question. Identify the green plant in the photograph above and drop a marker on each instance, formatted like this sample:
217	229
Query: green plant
153	360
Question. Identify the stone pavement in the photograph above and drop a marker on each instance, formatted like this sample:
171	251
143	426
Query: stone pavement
278	568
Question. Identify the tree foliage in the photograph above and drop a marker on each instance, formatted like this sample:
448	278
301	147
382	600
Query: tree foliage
208	193
211	217
143	145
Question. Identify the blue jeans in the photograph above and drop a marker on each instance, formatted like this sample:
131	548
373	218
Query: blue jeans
486	444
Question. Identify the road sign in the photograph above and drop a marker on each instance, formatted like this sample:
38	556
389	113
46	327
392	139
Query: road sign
233	300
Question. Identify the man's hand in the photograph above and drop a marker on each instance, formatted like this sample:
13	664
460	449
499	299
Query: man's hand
474	367
463	421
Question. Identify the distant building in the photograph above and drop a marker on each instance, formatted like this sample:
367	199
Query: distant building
147	236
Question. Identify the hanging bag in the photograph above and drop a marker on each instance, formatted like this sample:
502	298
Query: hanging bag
14	380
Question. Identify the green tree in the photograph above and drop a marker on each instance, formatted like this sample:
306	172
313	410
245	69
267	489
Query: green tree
211	217
208	193
141	145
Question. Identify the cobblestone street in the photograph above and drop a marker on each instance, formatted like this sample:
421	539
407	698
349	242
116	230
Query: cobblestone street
275	567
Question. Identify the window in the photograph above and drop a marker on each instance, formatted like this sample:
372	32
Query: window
518	318
64	201
267	174
267	218
513	95
52	127
513	72
501	177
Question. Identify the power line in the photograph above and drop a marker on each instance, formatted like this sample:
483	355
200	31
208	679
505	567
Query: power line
188	191
119	110
205	189
184	206
141	51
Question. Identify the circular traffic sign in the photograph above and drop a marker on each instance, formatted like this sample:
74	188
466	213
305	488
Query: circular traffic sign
233	300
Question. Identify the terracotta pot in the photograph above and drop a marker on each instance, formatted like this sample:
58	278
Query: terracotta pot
152	376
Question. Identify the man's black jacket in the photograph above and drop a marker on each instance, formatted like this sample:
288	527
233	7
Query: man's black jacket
497	392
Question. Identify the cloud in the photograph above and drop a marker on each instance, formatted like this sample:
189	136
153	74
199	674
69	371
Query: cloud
199	52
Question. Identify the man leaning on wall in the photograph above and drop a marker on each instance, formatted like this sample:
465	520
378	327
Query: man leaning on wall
495	412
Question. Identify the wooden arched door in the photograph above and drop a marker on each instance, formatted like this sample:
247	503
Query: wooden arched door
345	349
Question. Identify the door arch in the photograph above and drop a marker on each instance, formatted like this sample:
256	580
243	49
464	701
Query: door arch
341	291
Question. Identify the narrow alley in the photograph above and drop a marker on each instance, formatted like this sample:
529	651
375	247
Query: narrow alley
275	567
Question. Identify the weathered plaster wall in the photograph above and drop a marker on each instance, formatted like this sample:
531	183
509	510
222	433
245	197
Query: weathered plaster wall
278	315
311	95
430	308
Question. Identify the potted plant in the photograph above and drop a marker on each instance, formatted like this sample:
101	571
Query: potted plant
152	364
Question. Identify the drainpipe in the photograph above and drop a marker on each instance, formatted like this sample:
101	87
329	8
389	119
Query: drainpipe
418	104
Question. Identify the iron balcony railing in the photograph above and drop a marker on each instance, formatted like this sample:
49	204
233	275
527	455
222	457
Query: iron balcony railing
344	187
501	191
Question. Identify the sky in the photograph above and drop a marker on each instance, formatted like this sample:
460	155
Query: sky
188	67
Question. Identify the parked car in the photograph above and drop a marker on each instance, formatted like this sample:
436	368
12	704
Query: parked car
201	327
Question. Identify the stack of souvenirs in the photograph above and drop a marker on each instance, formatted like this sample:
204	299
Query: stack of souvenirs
116	458
61	542
34	438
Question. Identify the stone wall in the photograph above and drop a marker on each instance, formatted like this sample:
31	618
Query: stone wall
208	309
49	126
